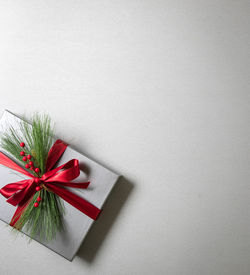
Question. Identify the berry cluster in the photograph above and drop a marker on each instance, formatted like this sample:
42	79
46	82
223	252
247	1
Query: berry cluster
28	158
30	165
36	204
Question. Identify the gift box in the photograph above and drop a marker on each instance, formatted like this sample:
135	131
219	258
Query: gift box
76	224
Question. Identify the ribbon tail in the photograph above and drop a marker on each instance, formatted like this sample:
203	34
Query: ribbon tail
84	206
18	213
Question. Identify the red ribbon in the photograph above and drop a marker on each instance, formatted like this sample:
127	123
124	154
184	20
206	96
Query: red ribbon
20	193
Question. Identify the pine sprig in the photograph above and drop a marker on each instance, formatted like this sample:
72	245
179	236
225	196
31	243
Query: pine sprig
47	219
44	221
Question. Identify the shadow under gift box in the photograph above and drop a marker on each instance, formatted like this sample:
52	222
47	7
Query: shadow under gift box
77	224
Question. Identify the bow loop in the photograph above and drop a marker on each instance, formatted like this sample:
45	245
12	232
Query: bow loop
64	173
11	188
18	191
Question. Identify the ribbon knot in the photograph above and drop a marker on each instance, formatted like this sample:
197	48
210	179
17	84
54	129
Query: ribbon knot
53	180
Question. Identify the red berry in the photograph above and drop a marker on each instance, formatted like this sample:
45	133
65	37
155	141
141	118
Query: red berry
37	170
22	144
27	166
36	204
38	199
29	157
38	188
31	168
22	153
31	163
24	158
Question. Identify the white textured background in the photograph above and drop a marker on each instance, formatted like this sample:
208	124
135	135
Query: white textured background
159	92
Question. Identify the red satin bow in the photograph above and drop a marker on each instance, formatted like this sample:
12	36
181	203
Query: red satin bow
19	193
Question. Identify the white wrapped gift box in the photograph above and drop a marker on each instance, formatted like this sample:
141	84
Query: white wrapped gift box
77	224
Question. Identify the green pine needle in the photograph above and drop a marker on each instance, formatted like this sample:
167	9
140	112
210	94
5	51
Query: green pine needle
45	220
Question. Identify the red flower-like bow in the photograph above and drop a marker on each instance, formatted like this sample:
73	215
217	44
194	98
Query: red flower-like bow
19	193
